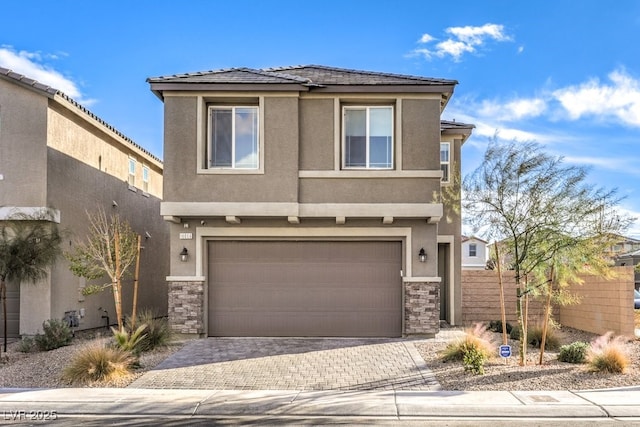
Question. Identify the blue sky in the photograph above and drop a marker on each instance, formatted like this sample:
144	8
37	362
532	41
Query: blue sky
564	73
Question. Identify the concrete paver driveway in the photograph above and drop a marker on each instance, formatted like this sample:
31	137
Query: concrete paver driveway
292	364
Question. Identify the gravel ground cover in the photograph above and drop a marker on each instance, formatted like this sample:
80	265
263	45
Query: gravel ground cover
44	369
507	374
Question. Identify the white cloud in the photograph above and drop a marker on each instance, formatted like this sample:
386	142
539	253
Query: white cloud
477	35
31	65
426	38
618	100
463	40
516	109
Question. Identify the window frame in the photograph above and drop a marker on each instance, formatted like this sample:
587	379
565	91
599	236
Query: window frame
473	246
209	143
131	177
343	138
146	177
445	179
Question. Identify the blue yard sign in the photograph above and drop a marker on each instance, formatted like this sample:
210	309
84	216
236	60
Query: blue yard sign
505	351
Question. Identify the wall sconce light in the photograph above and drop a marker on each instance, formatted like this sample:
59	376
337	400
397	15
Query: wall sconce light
184	255
422	255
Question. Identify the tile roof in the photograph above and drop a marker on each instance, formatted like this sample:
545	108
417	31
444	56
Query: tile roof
453	125
51	92
308	75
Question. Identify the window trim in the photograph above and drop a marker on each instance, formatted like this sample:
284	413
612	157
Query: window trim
447	179
343	141
475	250
131	177
204	105
146	178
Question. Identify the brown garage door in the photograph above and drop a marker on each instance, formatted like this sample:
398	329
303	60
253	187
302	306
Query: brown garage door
286	288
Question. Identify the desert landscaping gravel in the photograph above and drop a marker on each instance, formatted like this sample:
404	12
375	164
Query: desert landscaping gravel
44	369
507	374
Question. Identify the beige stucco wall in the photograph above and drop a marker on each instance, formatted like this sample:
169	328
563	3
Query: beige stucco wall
71	134
316	129
77	188
55	154
23	156
421	134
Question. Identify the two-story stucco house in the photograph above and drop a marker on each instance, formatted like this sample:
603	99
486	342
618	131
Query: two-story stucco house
57	155
301	202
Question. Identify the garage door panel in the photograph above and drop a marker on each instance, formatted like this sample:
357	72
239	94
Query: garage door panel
325	298
305	288
300	323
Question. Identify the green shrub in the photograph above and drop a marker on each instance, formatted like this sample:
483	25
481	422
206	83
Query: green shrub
576	352
474	359
27	345
158	332
98	363
534	338
607	354
496	326
474	349
130	341
515	334
56	334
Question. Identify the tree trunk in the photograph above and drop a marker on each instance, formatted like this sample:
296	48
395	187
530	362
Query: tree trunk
547	314
135	288
503	313
3	296
117	296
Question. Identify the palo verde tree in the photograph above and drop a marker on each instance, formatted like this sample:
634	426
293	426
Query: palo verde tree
543	212
29	246
110	249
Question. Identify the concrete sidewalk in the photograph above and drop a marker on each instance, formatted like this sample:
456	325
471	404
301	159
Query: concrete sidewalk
621	404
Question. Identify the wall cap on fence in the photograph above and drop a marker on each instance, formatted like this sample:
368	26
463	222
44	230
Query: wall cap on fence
185	278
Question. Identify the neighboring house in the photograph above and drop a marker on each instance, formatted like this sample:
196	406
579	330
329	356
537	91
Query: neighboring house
56	155
624	245
474	253
632	259
301	202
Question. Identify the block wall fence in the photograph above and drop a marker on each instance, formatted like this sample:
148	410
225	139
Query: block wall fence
606	305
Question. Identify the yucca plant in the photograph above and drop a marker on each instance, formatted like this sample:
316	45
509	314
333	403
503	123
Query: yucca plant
158	332
131	341
98	363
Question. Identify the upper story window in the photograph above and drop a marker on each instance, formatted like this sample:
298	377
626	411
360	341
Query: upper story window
233	137
368	137
473	250
445	160
132	171
145	179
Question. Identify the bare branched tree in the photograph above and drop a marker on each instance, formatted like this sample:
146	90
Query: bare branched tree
110	249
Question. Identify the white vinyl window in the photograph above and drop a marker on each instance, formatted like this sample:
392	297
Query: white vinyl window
132	172
145	178
367	137
233	137
473	250
445	160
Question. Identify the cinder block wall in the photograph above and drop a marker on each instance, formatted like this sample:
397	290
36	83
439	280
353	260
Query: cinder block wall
607	305
481	298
